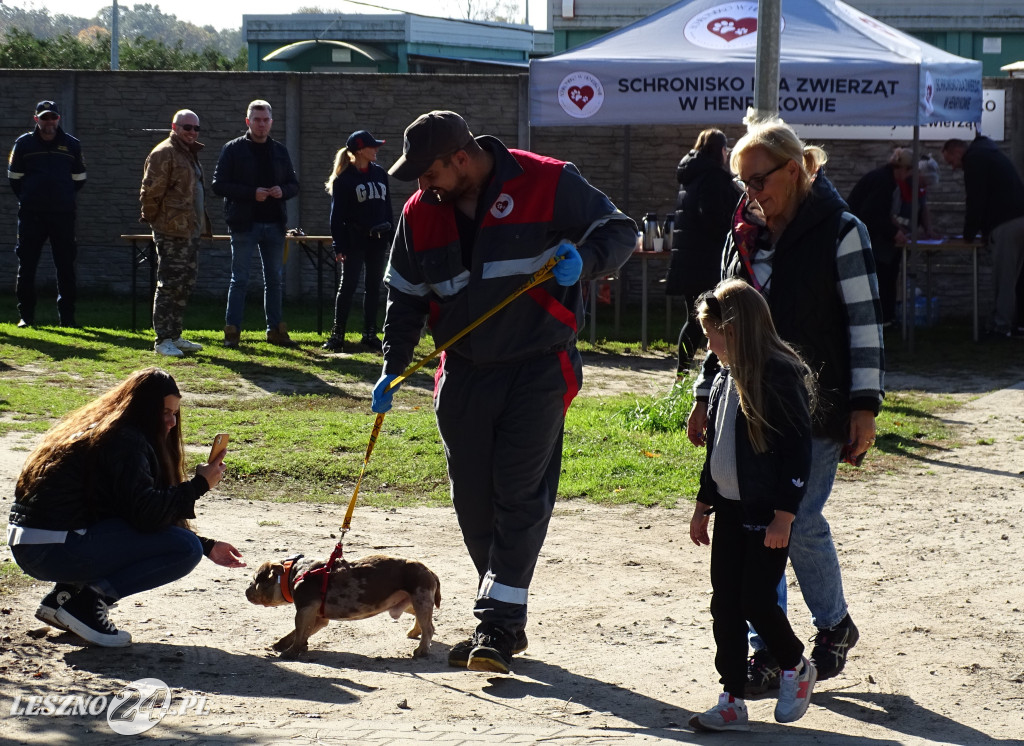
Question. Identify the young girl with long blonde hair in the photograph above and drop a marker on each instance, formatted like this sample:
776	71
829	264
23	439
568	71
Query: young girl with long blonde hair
754	476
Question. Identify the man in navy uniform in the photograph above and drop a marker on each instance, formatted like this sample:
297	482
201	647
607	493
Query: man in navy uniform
46	170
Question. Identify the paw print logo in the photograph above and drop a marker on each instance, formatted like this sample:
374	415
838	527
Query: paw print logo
724	27
579	97
580	94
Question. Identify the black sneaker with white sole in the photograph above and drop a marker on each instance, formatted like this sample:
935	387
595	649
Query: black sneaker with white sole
85	614
831	646
52	601
458	656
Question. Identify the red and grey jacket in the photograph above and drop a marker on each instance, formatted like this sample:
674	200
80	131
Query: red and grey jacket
533	203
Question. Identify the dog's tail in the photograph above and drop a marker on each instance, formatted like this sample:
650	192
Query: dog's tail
437	590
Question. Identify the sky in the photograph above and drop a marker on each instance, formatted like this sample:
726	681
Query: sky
228	13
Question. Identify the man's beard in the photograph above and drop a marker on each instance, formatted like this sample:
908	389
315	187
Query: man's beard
449	196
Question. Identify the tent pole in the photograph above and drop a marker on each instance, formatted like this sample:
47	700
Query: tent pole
908	296
766	63
626	170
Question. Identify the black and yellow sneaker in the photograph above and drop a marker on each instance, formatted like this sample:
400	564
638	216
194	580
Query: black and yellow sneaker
831	646
763	674
460	652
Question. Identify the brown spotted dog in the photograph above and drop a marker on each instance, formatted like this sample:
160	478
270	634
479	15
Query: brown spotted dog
355	590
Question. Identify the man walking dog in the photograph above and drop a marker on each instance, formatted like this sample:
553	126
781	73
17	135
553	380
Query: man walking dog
484	220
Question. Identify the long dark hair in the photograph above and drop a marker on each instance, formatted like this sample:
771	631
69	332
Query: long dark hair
742	315
710	143
138	401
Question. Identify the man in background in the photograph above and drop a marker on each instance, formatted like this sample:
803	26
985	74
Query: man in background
255	177
173	199
995	209
46	171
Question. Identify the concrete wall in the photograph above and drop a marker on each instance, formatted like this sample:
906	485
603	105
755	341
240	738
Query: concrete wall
119	116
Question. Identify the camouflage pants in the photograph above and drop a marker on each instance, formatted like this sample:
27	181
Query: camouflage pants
176	271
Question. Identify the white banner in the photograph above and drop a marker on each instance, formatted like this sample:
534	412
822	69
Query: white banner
993	116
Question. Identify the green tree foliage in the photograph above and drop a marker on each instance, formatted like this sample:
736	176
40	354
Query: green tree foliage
142	19
66	51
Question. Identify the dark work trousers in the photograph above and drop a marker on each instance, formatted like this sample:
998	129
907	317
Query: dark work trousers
363	252
501	426
34	228
744	577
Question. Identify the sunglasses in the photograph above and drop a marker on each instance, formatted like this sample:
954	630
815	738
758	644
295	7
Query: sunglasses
188	127
49	117
756	183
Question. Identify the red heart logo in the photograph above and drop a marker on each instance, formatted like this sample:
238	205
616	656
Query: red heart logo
502	206
581	96
730	29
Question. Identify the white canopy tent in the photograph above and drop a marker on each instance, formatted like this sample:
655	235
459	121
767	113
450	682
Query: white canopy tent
693	63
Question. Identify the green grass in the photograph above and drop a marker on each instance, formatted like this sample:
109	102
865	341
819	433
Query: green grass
300	420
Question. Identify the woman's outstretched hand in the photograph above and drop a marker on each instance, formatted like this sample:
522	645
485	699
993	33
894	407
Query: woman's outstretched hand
226	555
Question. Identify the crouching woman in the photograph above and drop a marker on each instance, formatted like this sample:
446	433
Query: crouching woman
102	506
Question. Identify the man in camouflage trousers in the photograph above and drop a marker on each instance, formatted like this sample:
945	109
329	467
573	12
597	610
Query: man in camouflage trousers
173	198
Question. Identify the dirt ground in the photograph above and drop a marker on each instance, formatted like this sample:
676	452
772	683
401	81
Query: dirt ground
620	631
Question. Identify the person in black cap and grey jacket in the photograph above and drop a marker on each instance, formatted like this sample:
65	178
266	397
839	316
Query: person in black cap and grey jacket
46	170
484	220
361	226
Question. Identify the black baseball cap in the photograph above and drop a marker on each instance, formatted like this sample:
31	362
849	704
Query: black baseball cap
433	135
362	139
46	107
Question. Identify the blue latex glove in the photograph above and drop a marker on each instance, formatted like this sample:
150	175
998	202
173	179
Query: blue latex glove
567	271
381	398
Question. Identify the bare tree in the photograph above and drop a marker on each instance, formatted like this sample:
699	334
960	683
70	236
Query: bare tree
504	11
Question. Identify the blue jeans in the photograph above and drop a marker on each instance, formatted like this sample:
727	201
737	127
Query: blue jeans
114	558
811	550
269	239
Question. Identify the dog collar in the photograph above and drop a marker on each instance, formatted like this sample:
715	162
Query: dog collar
285	578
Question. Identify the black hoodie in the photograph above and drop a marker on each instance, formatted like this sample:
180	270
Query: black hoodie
707	198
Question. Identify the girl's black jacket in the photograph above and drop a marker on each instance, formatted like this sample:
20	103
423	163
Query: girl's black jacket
776	479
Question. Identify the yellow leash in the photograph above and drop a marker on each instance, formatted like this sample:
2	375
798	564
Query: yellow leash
541	275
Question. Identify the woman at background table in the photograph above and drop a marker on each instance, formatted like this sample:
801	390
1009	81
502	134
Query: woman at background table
102	505
362	223
707	198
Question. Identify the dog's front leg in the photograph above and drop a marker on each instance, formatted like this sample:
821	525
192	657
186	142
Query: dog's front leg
285	642
305	624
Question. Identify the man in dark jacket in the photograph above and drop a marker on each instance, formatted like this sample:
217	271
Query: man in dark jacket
995	209
875	199
484	220
46	170
255	177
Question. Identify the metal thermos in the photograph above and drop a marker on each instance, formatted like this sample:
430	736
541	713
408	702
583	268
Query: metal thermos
670	226
651	230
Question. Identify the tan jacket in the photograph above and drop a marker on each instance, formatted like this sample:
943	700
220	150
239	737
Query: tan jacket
168	189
